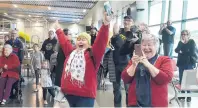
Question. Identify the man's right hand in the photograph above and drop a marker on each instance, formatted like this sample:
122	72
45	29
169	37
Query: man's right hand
163	26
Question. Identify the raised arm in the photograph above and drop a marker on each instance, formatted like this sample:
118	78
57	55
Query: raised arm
100	44
171	31
101	40
64	42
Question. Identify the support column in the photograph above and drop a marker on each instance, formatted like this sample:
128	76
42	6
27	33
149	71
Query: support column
184	14
142	11
169	10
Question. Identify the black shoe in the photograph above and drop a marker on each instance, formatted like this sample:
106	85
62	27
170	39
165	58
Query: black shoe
188	99
181	98
13	97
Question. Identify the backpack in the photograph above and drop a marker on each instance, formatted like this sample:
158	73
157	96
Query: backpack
100	74
195	56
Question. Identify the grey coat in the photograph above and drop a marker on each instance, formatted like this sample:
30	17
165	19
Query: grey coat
109	65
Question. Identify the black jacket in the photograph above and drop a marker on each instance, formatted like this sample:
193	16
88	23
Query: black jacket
186	53
48	47
128	46
117	43
59	67
93	39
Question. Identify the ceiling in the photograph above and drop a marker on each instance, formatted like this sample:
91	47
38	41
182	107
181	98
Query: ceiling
70	11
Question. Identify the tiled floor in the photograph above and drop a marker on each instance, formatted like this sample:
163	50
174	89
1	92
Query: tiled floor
104	98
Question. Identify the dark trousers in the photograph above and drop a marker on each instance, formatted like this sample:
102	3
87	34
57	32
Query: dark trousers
15	85
37	71
50	90
181	71
168	49
5	87
53	75
117	88
78	101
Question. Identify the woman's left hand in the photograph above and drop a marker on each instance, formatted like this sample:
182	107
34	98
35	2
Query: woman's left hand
107	19
144	60
56	25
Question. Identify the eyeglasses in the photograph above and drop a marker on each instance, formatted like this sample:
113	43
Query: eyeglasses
128	20
184	34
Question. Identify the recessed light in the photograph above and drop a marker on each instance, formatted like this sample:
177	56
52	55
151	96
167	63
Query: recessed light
49	8
29	15
84	10
15	6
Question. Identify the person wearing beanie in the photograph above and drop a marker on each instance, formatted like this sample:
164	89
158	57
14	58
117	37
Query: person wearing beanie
79	80
49	44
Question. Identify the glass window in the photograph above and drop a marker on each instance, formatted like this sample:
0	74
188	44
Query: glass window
176	9
155	30
177	36
192	27
155	14
192	9
166	11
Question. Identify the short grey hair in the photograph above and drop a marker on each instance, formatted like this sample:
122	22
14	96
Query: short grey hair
155	39
8	46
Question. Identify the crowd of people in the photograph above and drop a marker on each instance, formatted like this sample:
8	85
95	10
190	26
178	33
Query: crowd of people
69	70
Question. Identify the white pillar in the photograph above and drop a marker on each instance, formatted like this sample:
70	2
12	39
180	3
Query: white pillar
142	11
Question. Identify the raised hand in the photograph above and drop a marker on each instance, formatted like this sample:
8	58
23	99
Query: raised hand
115	29
107	19
56	25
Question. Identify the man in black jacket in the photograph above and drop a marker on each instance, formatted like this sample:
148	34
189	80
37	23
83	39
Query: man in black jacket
60	64
123	43
93	33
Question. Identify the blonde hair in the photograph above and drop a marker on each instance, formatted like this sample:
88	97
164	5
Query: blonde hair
186	31
86	36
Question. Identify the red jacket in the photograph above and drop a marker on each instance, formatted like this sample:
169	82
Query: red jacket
89	88
13	64
159	84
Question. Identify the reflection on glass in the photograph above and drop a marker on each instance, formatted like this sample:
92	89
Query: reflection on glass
166	11
155	13
176	11
154	30
177	36
193	28
192	9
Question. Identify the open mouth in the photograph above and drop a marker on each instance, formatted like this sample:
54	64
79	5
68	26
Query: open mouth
146	52
80	46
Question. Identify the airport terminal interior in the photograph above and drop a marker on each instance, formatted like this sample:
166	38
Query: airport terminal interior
36	54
